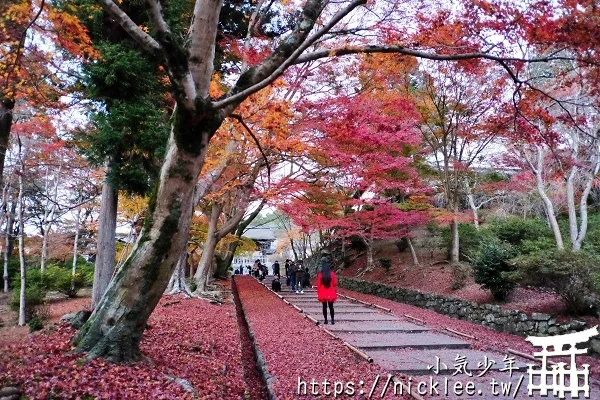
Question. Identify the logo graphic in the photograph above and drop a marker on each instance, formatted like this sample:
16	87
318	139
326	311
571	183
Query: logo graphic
558	379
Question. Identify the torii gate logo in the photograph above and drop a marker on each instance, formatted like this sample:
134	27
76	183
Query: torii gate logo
559	380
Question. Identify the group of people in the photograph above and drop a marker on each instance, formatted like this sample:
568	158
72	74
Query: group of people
298	278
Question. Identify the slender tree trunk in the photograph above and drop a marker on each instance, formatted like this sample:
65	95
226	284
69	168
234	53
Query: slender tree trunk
8	242
474	209
412	251
76	241
455	250
573	225
22	304
208	252
115	328
539	180
370	264
105	244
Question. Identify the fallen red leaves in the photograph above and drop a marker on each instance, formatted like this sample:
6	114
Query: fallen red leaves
192	340
294	347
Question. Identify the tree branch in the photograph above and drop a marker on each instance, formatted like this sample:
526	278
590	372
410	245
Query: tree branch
275	65
416	53
142	38
247	128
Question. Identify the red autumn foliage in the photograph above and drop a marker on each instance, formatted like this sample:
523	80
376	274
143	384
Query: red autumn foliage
191	340
294	347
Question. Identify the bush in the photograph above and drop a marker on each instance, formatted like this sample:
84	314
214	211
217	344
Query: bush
516	231
63	280
34	300
460	273
402	244
469	239
385	263
573	276
35	324
490	265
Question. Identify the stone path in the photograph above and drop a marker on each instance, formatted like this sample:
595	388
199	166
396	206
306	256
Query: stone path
441	365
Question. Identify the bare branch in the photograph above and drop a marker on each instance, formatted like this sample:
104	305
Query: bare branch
417	53
247	128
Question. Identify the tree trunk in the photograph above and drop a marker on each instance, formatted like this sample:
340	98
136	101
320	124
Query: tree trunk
539	180
474	209
6	119
412	252
115	328
76	241
208	252
8	242
105	244
573	225
455	250
370	264
177	283
22	304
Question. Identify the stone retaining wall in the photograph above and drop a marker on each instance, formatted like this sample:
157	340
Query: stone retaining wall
491	315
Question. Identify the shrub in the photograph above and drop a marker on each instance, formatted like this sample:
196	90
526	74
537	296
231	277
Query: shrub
34	300
469	239
385	263
460	273
402	244
575	277
35	324
63	280
516	230
490	265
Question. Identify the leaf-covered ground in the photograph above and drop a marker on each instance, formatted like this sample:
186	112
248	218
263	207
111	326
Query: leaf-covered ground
188	339
293	347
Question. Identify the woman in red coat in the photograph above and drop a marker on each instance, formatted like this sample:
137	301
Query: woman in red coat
326	284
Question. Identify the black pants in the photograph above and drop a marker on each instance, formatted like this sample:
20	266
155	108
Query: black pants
330	304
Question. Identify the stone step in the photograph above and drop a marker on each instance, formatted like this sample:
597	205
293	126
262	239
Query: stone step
424	340
338	310
348	317
443	361
373	327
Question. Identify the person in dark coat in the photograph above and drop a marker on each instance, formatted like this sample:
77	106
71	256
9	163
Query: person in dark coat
326	284
306	278
292	269
276	285
276	269
299	278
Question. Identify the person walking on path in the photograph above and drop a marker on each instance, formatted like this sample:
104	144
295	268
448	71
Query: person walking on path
276	269
326	284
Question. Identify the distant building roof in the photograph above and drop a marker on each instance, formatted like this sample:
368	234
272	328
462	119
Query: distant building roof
259	234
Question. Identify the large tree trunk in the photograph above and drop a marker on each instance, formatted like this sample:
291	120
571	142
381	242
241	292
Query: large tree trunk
105	244
177	283
6	119
115	328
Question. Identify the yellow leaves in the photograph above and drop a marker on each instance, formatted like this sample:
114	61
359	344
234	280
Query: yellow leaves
216	88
